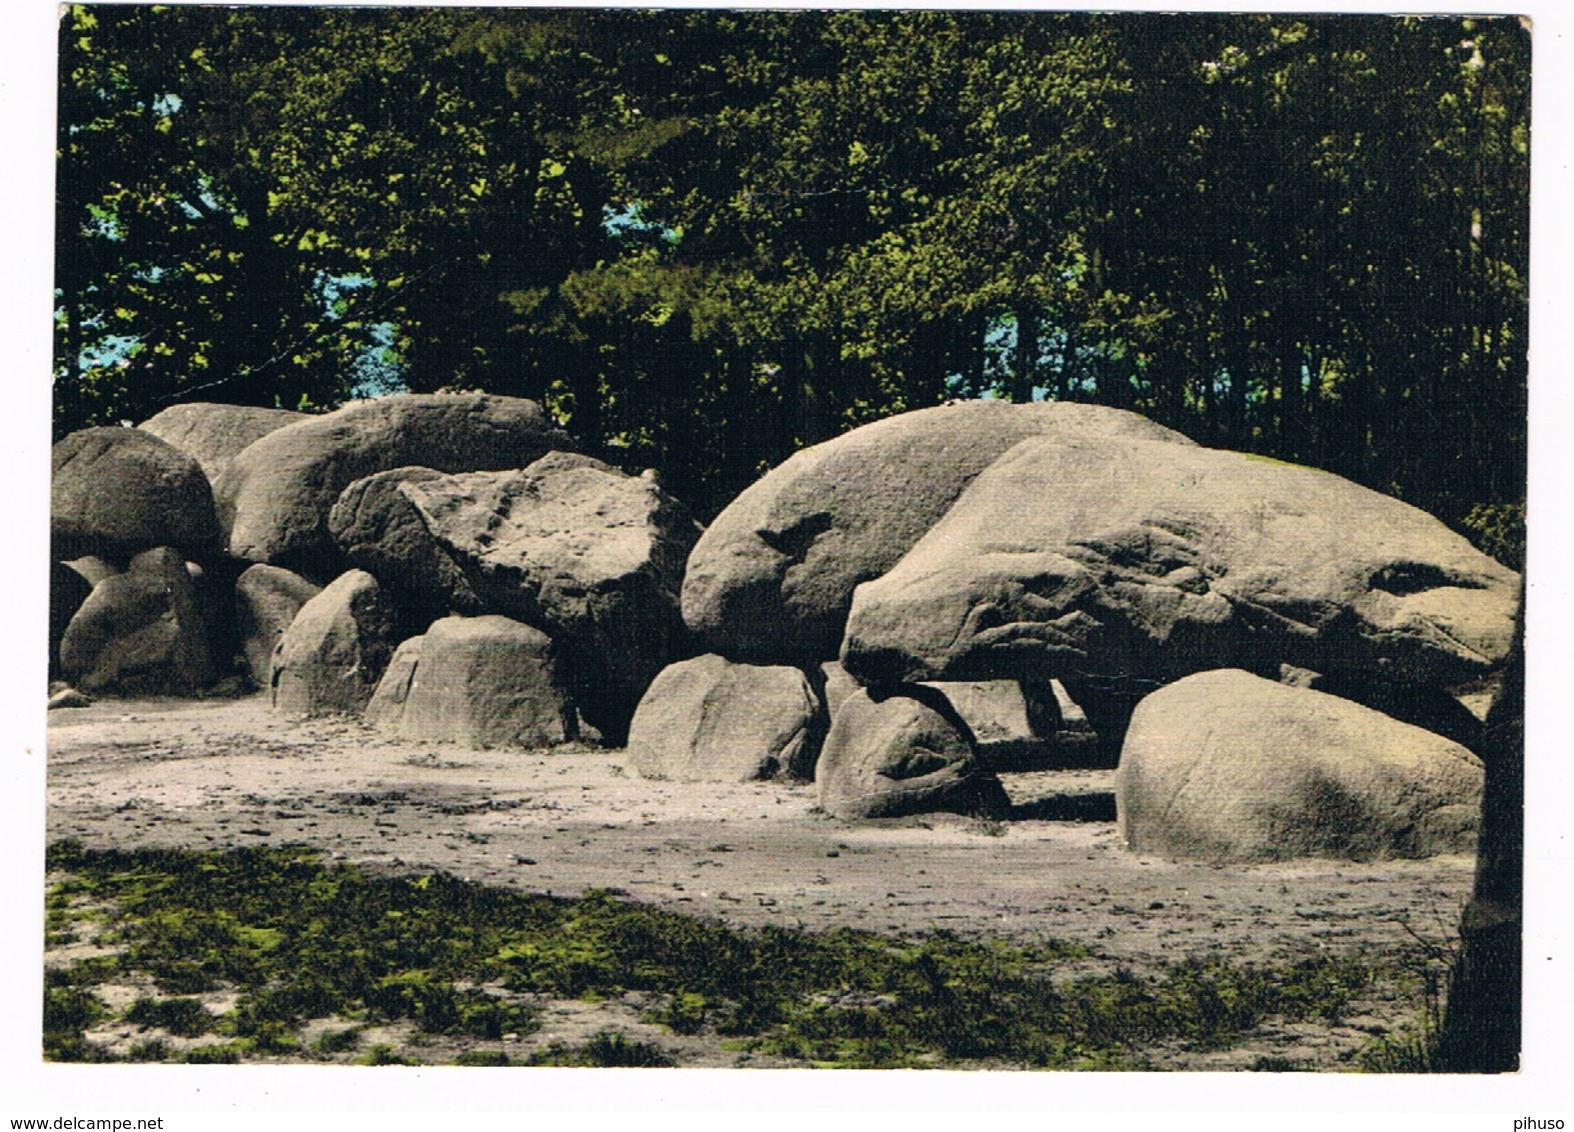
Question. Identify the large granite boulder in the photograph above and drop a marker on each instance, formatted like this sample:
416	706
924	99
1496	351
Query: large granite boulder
115	492
1095	556
267	598
579	549
894	754
478	682
213	434
275	496
332	655
773	576
711	720
382	532
1227	766
140	632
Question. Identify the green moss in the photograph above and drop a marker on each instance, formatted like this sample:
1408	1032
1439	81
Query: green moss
338	1041
298	941
184	1017
383	1054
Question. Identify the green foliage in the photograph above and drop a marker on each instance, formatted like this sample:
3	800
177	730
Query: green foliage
706	238
316	942
1499	530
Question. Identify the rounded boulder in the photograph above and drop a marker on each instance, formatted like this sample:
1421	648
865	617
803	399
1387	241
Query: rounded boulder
712	720
1227	766
478	682
579	549
115	492
894	754
140	632
334	652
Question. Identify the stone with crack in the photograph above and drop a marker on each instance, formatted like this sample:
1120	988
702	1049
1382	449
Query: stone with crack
1119	558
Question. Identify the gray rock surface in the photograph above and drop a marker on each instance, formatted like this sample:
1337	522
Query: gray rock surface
140	632
93	568
1011	730
478	682
213	434
67	591
582	551
902	754
1095	555
117	491
382	532
69	698
267	598
711	720
385	709
275	496
1228	766
1430	709
332	655
772	578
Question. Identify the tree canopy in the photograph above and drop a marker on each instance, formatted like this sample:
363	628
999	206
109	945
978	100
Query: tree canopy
707	238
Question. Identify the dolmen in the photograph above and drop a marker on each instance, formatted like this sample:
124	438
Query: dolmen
1269	657
299	552
1081	562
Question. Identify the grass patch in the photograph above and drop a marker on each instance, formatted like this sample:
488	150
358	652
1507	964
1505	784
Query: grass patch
295	940
606	1050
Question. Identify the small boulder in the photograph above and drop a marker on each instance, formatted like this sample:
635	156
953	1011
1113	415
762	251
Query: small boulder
1227	766
1012	730
118	491
577	548
139	633
275	496
478	682
382	532
212	434
267	598
385	710
773	576
893	754
334	651
69	698
711	720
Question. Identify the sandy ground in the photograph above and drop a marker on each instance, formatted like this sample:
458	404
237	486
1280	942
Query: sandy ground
218	773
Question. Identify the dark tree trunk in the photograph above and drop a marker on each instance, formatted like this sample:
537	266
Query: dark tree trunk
1024	369
1481	1029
